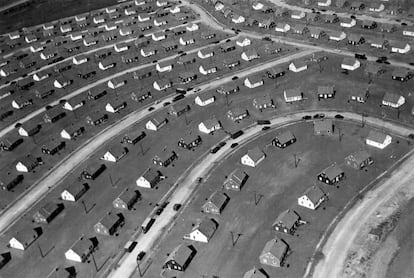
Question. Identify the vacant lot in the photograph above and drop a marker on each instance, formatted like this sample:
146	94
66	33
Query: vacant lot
277	184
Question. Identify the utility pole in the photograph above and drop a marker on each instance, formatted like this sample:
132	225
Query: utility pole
233	239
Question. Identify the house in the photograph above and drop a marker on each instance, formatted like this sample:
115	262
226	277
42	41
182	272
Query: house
126	199
228	89
149	179
10	182
359	160
191	27
204	99
165	158
29	130
408	31
257	6
169	46
228	46
312	198
43	93
54	115
186	40
237	19
162	84
393	100
292	95
298	14
164	66
231	62
378	42
52	147
400	47
74	191
23	239
274	252
160	22
359	95
402	74
336	35
93	171
287	222
206	69
331	18
180	258
10	143
209	126
109	224
388	28
298	66
80	59
179	109
235	180
349	63
237	114
208	35
28	163
282	27
324	3
143	17
300	29
72	132
316	33
89	41
275	72
331	175
187	59
323	127
187	76
216	203
284	139
368	24
267	23
253	157
325	92
115	153
263	102
357	6
203	231
356	39
190	142
156	123
107	63
378	139
81	249
243	41
148	51
312	17
115	107
376	7
133	137
36	47
116	83
254	81
66	28
250	54
74	103
62	82
254	273
41	75
205	53
347	22
159	36
47	213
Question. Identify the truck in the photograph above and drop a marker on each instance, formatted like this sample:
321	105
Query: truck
236	134
147	224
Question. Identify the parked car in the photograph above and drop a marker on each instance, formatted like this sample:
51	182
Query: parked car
235	77
306	117
234	145
265	127
140	255
176	207
215	149
319	116
166	103
130	245
360	56
178	97
339	116
151	108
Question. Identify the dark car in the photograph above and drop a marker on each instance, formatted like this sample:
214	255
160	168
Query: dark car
159	211
360	56
306	117
339	116
319	116
266	39
178	97
151	108
235	77
215	149
266	127
140	255
166	103
228	39
222	144
234	145
176	207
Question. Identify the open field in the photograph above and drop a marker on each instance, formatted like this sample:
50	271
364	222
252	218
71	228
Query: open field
279	184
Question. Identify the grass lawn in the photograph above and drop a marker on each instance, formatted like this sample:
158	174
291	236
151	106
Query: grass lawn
280	184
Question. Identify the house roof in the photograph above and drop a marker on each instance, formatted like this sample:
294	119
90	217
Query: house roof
254	273
255	154
376	136
293	92
359	156
207	227
377	41
237	176
26	236
28	160
251	52
323	125
400	44
218	199
255	78
187	58
180	254
209	123
48	209
285	136
242	39
276	247
110	220
391	97
299	63
400	72
288	218
166	63
82	246
151	174
163	82
75	188
117	150
263	100
299	27
325	90
314	194
187	74
333	171
355	37
206	51
206	96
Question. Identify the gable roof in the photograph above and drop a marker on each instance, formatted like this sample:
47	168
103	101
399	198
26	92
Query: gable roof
288	218
180	254
285	136
276	247
376	136
218	198
314	194
207	227
333	171
391	97
255	154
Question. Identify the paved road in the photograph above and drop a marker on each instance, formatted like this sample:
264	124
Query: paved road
12	4
210	20
339	242
186	188
385	18
29	198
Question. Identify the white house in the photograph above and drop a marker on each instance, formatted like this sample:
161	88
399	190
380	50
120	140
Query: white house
76	36
257	6
125	31
349	63
192	27
312	198
393	100
156	123
376	7
203	231
186	40
175	10
74	191
162	84
160	22
158	36
74	103
253	81
282	27
250	54
14	35
298	66
253	157
164	66
41	75
324	3
337	36
378	139
408	31
115	108
149	179
80	250
243	41
400	47
147	52
80	59
204	99
23	239
121	47
36	47
66	28
207	69
292	95
347	22
298	14
116	83
115	153
61	83
205	53
209	126
236	18
143	17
